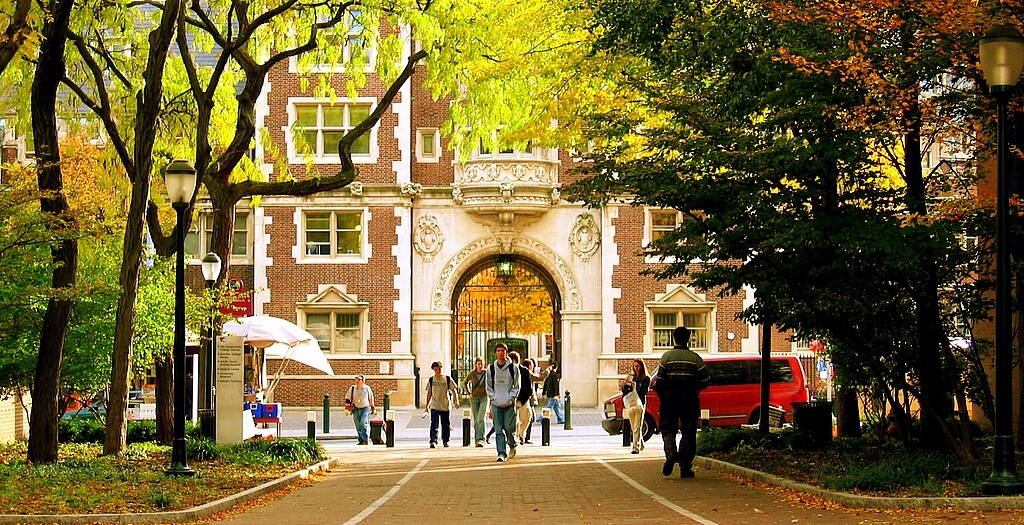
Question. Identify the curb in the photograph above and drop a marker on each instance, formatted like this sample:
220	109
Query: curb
981	503
179	516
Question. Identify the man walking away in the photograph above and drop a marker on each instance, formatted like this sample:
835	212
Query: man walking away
524	406
359	400
502	387
550	390
441	393
476	385
682	374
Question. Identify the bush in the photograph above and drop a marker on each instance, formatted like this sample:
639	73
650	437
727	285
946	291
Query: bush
285	450
79	430
141	431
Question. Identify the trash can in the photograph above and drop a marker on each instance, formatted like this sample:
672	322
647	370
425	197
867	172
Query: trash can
208	423
376	431
814	418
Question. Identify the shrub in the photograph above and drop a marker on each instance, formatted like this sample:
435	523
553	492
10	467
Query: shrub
202	449
141	431
80	431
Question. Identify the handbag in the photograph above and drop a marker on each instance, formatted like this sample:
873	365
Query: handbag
631	399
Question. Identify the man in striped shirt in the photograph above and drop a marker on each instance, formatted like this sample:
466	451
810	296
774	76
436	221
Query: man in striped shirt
682	374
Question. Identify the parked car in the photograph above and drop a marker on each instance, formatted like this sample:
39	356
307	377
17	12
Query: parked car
734	395
93	410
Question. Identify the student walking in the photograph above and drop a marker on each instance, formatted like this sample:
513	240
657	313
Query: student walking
359	400
638	381
550	390
502	387
682	374
476	385
441	394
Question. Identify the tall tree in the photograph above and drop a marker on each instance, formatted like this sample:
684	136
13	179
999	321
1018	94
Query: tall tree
772	137
42	443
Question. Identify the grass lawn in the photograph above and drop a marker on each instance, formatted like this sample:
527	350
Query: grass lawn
857	466
85	482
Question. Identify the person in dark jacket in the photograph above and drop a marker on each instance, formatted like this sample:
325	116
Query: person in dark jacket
682	374
550	390
524	406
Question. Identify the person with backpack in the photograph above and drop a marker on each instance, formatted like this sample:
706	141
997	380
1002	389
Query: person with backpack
441	394
524	400
476	385
359	401
502	389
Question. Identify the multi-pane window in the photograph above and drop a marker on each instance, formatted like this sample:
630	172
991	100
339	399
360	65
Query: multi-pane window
334	234
664	322
199	245
319	127
664	222
337	331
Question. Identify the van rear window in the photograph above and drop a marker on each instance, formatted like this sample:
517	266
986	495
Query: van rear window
747	372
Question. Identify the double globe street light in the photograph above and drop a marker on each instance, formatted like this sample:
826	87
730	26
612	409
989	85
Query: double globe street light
180	179
1002	57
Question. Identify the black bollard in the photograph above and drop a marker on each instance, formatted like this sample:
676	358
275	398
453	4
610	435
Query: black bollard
387	401
311	425
327	413
389	426
545	427
568	411
466	424
627	432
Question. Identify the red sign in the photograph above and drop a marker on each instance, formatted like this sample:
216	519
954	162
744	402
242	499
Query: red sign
242	305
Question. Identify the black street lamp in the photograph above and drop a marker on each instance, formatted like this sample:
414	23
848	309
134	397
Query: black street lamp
211	270
180	179
1002	58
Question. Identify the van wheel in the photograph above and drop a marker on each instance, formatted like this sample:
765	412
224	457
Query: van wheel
755	418
650	427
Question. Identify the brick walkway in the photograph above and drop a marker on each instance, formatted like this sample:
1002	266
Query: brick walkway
584	477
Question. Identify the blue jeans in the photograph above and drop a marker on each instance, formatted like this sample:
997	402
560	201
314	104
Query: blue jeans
505	426
361	417
555	404
446	427
479	410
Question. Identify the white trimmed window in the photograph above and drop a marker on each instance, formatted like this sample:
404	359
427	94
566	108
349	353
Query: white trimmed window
428	145
199	245
336	47
664	321
333	234
337	331
316	128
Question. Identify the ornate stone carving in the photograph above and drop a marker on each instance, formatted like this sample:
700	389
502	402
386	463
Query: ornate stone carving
507	189
429	238
412	189
556	196
356	188
535	250
584	237
521	171
457	197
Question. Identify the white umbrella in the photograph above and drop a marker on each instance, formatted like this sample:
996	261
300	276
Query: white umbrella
262	331
307	352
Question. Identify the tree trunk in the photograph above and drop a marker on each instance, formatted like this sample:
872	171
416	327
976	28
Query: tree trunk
847	413
149	106
165	399
42	443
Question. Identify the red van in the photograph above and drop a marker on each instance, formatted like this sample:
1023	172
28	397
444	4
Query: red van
734	395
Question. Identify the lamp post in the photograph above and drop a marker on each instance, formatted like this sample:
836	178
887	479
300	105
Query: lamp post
180	178
1002	58
211	270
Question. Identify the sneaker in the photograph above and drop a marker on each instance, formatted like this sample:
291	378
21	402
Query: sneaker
686	473
445	444
635	451
527	442
670	463
488	441
363	443
434	445
479	444
511	452
502	458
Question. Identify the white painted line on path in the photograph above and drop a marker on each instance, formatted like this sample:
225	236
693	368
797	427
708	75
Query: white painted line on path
654	496
358	518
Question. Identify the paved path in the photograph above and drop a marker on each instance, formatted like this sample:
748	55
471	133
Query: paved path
584	477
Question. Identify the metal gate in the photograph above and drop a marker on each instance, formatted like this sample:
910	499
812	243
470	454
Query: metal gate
489	308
